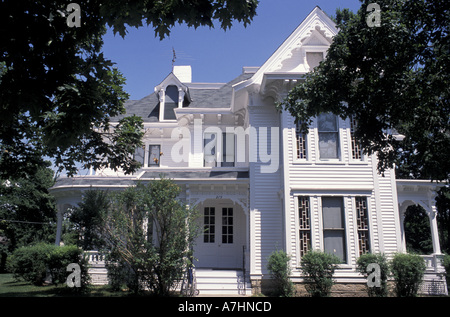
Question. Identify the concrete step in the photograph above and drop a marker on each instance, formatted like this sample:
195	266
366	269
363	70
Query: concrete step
99	275
209	281
222	282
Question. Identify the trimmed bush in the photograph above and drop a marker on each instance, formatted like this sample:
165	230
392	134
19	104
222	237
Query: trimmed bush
60	258
318	268
30	263
408	271
279	267
33	263
380	259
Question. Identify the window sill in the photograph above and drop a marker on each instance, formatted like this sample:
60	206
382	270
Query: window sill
358	163
302	161
168	120
330	162
298	162
343	266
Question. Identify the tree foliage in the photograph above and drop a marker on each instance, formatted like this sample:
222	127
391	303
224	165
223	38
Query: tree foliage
408	271
362	264
392	79
443	218
280	269
86	219
417	230
162	16
149	234
27	210
318	268
56	85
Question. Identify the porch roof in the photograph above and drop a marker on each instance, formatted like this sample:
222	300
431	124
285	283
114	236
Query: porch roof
193	175
185	176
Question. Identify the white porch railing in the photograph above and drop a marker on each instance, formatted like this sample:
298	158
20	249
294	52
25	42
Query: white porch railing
434	282
434	263
97	269
95	258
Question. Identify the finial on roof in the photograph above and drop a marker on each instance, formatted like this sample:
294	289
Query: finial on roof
173	58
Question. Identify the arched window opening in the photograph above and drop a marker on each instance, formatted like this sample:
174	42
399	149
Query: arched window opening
171	102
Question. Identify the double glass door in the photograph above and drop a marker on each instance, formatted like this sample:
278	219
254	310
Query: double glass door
219	244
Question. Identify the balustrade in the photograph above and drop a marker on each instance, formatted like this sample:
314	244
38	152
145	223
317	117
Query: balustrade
433	263
95	258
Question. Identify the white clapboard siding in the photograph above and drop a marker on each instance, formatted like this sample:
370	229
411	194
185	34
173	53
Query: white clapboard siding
170	158
347	178
265	202
389	214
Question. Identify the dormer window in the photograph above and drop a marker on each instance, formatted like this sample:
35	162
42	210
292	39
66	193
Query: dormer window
172	94
171	102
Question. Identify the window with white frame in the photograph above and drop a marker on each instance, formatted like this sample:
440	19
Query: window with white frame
334	227
356	146
170	102
139	155
304	223
154	155
210	150
209	224
301	141
228	140
227	225
328	130
362	222
213	156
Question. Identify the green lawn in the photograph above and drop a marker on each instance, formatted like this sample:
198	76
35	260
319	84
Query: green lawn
11	288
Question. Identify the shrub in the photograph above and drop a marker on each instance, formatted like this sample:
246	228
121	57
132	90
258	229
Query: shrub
279	267
152	260
30	263
58	261
33	263
408	271
318	268
380	259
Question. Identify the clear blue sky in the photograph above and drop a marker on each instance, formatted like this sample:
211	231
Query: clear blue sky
215	55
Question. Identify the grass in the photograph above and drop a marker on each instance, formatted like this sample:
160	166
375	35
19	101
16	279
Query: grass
9	287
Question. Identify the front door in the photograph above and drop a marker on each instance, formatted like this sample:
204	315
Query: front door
220	244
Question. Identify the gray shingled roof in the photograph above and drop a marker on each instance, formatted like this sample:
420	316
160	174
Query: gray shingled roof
148	107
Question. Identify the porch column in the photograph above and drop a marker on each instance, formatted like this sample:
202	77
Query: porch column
434	229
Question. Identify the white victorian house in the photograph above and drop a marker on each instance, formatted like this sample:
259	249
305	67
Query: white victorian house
259	183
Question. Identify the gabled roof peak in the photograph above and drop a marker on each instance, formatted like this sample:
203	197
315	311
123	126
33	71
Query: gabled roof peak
170	80
317	26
